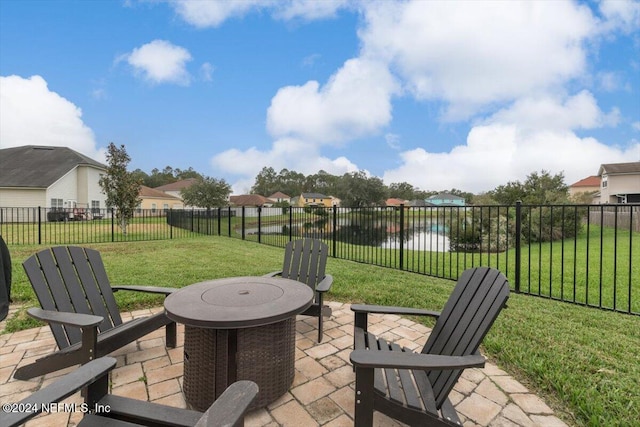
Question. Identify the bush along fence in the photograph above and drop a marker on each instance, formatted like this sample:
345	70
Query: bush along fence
584	254
50	226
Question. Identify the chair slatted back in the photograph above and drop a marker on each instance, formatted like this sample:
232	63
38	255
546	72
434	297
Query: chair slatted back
72	279
305	260
473	306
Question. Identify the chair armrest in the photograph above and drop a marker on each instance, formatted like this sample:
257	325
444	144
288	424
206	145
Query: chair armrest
148	289
72	319
408	360
325	284
381	309
58	390
231	406
273	274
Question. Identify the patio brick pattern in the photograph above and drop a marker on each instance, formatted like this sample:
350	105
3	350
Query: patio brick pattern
322	390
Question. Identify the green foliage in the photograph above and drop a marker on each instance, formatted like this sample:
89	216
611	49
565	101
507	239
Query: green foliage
121	187
538	189
359	190
207	193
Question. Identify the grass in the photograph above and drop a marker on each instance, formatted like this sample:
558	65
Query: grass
583	361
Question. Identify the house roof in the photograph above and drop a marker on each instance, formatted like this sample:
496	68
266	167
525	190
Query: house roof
591	181
33	166
395	202
152	193
279	195
249	200
313	196
445	196
178	185
619	168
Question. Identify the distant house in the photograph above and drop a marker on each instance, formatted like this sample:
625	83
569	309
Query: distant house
392	202
589	185
175	188
279	197
250	200
50	177
445	199
158	201
312	199
619	183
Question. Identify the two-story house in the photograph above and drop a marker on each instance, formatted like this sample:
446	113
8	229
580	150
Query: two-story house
313	199
619	183
58	178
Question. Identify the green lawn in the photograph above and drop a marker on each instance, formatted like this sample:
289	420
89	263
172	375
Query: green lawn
584	362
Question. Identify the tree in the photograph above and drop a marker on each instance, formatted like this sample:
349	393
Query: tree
358	190
266	182
207	193
402	190
121	187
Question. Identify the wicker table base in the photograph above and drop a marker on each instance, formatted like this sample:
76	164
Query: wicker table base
215	358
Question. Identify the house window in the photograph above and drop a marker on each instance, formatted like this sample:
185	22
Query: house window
154	208
165	206
56	203
604	183
95	206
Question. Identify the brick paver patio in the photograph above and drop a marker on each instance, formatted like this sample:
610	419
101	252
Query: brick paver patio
322	391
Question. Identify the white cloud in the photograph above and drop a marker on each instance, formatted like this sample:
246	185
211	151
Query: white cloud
309	10
290	153
204	14
550	113
34	115
206	72
621	14
355	102
473	54
497	153
160	62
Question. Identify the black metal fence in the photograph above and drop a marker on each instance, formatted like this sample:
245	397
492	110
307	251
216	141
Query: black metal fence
584	254
50	226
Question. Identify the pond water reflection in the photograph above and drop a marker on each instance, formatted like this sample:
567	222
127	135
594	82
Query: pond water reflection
419	241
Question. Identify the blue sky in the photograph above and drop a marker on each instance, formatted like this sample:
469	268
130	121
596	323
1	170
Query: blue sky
452	94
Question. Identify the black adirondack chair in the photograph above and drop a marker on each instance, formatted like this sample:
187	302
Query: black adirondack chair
114	411
78	304
414	387
305	260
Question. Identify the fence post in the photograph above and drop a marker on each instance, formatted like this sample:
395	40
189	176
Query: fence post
518	242
401	236
259	224
290	223
219	220
113	232
243	216
170	221
334	228
39	225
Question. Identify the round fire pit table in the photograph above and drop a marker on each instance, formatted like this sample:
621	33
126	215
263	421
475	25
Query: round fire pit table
238	328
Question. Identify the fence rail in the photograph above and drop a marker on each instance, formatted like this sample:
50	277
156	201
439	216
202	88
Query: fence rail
47	226
583	254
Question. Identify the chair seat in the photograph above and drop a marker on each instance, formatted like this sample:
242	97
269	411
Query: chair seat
405	393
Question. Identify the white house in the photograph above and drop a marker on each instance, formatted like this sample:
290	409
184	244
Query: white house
50	177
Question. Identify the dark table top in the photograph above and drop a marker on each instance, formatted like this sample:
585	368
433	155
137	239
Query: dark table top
238	302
